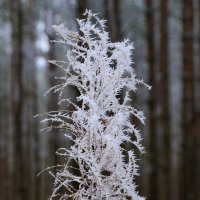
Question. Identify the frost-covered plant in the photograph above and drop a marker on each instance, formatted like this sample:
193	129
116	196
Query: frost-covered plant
100	128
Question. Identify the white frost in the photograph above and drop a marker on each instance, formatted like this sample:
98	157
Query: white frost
101	127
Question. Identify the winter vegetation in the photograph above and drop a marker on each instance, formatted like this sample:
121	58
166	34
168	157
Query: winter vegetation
97	165
166	35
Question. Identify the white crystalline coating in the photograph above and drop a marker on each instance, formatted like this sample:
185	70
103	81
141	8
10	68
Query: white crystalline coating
100	128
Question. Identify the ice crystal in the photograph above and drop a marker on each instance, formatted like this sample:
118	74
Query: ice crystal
100	128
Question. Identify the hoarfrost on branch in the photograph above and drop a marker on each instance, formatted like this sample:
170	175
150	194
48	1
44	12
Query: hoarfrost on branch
100	128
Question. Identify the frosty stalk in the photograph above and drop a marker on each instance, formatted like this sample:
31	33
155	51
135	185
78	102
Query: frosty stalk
101	126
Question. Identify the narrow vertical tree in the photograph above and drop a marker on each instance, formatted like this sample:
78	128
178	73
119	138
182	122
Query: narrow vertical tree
164	103
81	6
1	155
197	113
188	172
2	145
112	14
24	101
106	14
153	176
4	111
52	72
31	103
101	125
117	20
16	16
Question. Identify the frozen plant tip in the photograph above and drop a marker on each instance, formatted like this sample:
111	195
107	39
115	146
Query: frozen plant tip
100	126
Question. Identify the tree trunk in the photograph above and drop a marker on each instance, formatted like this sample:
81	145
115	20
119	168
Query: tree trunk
197	117
16	15
153	174
189	165
106	13
2	138
164	105
117	21
31	106
197	100
81	7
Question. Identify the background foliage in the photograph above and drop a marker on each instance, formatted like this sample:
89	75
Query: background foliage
166	36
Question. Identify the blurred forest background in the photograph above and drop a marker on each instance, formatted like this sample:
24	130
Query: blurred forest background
166	35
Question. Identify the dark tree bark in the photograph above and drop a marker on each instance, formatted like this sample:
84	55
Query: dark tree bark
31	104
81	7
189	164
2	143
197	114
2	139
2	162
5	129
117	21
106	13
164	104
16	15
153	174
24	100
114	23
52	102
